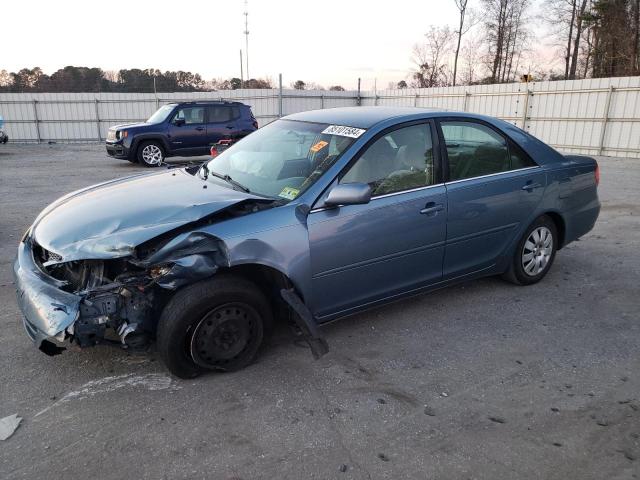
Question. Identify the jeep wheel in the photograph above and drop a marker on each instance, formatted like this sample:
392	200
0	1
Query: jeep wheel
150	154
215	324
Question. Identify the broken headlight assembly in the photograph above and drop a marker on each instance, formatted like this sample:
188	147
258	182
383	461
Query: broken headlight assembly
158	271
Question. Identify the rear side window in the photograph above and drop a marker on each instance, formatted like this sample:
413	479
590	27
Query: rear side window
474	150
518	158
218	114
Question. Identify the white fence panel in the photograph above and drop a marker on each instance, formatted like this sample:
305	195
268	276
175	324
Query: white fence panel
593	116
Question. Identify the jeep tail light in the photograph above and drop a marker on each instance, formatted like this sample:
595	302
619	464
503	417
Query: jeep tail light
597	174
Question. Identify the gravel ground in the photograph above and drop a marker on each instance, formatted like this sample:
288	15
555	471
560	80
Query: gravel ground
481	381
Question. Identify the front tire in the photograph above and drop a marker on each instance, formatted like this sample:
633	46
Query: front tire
534	253
150	154
215	324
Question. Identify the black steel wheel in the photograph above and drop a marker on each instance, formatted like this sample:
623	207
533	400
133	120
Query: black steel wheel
215	324
225	335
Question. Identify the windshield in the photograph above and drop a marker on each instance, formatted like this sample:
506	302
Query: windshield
284	158
161	114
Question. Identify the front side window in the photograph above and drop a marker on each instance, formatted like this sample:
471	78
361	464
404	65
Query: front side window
190	115
282	159
474	150
400	160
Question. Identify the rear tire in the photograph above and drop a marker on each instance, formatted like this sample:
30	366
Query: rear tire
215	324
534	253
150	154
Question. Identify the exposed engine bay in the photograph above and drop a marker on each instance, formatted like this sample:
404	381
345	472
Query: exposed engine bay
122	297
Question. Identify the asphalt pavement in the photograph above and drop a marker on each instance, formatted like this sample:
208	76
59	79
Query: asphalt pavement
486	380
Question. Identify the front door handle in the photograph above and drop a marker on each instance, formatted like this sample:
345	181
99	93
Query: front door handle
230	127
199	129
530	187
432	208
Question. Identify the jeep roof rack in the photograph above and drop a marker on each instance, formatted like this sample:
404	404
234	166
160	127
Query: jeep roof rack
190	102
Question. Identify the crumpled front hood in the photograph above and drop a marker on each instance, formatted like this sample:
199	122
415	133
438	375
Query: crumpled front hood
109	220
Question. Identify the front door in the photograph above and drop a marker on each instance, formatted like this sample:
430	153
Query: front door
394	244
187	131
493	187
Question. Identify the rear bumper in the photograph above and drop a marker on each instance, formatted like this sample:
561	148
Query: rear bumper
117	150
581	221
48	311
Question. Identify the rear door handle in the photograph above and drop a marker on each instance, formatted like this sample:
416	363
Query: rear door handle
230	127
432	208
199	129
529	186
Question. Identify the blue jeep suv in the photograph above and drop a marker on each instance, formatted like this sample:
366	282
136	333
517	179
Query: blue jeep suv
183	129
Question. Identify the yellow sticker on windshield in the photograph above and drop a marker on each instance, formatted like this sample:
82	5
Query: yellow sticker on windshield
319	146
289	193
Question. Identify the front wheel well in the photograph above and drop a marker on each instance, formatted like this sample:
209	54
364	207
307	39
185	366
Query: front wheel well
560	226
270	281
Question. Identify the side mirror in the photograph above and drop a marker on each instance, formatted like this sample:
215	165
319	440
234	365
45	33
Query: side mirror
349	194
178	122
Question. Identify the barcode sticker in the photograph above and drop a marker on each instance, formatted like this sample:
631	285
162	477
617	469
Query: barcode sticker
343	131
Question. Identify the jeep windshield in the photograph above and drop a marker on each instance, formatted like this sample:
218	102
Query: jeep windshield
161	114
282	159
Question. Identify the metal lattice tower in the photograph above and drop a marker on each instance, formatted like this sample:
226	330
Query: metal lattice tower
246	36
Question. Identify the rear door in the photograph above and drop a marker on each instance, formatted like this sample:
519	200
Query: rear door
188	137
392	245
492	188
222	123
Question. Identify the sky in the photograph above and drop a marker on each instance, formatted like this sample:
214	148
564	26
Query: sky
330	42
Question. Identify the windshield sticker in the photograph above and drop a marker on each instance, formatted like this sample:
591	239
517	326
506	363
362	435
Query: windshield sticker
289	193
343	131
318	146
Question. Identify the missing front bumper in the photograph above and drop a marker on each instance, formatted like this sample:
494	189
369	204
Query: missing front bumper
47	309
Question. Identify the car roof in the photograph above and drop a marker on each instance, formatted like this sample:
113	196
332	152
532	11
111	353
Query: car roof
360	117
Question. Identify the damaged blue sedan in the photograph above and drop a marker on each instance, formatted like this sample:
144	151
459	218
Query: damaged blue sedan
316	216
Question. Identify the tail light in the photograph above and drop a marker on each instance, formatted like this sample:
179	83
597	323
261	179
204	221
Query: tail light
255	124
597	174
213	151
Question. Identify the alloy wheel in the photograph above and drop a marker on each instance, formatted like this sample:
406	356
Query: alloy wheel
152	155
537	251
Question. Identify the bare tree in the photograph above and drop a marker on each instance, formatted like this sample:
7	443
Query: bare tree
471	60
467	20
461	5
636	37
506	34
566	18
576	39
430	58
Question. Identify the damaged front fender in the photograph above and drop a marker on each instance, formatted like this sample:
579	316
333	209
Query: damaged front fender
186	270
187	258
